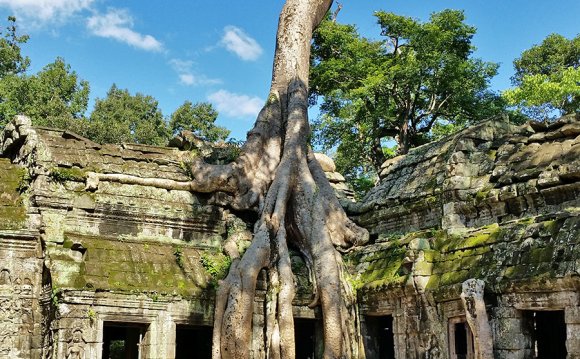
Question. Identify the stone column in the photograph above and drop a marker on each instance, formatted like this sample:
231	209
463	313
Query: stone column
160	338
573	332
476	315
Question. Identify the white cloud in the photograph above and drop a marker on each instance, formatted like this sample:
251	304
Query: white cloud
238	42
186	75
117	24
236	105
46	10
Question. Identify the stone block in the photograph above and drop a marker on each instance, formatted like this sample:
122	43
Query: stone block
507	333
573	317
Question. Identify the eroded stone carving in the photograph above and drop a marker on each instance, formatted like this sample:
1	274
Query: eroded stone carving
76	345
476	315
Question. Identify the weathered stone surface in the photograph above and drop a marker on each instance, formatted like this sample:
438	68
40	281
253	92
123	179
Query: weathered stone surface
495	203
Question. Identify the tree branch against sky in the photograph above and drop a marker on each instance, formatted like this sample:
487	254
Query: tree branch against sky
547	78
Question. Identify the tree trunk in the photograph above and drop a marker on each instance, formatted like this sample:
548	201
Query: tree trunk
277	175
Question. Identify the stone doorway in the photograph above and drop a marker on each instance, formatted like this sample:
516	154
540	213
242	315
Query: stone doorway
123	340
193	342
548	333
305	337
460	339
379	337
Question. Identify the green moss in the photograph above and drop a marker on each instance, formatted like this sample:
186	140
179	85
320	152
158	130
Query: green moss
454	277
272	99
61	174
482	194
13	181
12	217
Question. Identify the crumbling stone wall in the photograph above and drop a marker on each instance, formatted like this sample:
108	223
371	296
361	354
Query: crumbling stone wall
496	203
119	253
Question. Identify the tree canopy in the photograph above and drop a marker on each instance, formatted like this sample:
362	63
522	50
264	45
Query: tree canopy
419	75
200	119
547	78
57	97
11	60
54	97
122	117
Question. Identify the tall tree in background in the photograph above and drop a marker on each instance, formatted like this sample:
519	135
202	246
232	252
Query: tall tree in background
419	76
12	64
547	78
200	119
54	97
122	117
11	60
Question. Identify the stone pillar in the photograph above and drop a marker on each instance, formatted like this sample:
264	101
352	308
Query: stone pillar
510	342
399	333
573	332
476	315
159	340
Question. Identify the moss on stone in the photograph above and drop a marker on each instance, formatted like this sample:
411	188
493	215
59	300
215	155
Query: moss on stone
13	180
62	174
126	266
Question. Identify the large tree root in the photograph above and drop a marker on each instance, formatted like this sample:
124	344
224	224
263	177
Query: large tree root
301	210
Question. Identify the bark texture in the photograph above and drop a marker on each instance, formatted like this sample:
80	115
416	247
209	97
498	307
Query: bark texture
278	174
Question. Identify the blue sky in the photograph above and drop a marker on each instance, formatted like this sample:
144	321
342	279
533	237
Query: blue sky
221	51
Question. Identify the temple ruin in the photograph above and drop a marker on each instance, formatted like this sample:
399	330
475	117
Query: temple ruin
473	250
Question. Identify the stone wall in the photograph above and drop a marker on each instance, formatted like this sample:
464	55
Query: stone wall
496	203
76	259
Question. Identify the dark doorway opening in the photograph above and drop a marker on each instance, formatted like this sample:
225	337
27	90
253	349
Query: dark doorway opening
305	338
548	330
123	340
461	342
460	339
193	342
379	338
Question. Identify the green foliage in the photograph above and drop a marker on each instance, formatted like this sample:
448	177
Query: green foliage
91	314
547	79
395	90
55	295
217	266
11	60
54	97
178	253
117	349
200	120
122	117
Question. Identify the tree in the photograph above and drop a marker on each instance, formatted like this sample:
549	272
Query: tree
277	176
122	117
200	120
419	76
11	60
54	97
547	78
